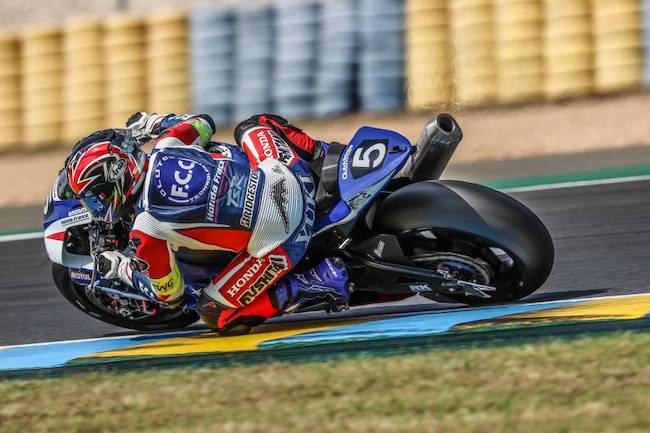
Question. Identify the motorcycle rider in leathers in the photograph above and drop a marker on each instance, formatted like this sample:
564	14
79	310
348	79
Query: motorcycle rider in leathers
256	200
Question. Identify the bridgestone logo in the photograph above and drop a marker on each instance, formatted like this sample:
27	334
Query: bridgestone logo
246	219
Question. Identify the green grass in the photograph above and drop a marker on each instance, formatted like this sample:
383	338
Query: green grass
597	384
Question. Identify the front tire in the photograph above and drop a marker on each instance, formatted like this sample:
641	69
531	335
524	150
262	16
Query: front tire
75	294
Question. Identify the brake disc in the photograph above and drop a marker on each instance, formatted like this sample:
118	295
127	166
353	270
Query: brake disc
457	266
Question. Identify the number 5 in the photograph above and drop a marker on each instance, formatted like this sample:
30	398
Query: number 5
362	158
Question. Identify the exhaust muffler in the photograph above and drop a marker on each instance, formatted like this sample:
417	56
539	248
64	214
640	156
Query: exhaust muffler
434	148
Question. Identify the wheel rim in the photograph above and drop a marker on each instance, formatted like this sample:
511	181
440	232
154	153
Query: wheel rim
457	266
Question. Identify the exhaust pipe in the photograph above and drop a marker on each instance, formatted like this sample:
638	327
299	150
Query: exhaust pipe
434	148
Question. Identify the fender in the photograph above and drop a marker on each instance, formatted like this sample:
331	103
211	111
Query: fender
472	209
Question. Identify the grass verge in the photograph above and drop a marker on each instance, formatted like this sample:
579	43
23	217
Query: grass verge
595	384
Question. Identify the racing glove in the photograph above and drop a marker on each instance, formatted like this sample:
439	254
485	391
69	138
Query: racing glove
147	126
144	126
113	265
306	147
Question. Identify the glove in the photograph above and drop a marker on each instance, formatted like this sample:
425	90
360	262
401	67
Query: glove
306	147
115	265
144	126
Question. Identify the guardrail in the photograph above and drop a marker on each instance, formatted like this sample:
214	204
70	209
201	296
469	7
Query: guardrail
305	58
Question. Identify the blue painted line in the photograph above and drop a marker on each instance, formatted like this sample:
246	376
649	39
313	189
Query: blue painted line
411	326
56	354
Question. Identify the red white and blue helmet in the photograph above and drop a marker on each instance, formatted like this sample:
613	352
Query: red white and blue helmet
106	173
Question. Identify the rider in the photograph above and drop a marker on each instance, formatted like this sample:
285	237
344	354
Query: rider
256	200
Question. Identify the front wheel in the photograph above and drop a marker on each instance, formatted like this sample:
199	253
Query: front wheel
100	309
472	233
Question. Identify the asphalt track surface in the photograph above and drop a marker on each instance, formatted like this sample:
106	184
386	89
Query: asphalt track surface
601	234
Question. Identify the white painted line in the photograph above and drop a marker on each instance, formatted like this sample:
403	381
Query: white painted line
20	236
202	330
576	184
86	340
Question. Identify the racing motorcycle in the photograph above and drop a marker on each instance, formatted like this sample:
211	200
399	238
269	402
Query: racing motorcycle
379	205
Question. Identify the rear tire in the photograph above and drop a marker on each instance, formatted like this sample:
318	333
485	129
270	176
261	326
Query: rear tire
467	219
75	294
480	265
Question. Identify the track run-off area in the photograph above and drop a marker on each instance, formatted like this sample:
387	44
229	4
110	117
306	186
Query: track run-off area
600	283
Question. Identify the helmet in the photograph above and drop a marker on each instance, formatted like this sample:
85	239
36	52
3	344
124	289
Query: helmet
106	172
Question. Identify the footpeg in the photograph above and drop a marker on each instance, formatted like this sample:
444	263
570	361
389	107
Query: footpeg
476	290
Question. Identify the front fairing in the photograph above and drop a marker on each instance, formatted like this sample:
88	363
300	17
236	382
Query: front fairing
63	212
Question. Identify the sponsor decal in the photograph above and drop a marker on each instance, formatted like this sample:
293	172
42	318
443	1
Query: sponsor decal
214	191
285	154
117	170
346	162
236	191
262	136
77	211
246	219
245	278
181	180
279	194
75	217
305	232
419	288
275	266
270	145
368	157
80	276
167	285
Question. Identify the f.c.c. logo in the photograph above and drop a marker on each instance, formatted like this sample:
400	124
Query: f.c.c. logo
181	180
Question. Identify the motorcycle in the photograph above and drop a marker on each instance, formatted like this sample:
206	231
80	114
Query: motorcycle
379	205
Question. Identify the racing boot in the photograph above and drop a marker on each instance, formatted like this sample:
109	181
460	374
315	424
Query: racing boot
325	286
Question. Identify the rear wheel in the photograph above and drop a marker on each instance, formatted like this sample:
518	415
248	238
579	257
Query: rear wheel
472	259
101	308
472	231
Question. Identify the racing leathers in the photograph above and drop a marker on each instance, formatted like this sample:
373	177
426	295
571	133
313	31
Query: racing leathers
256	200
